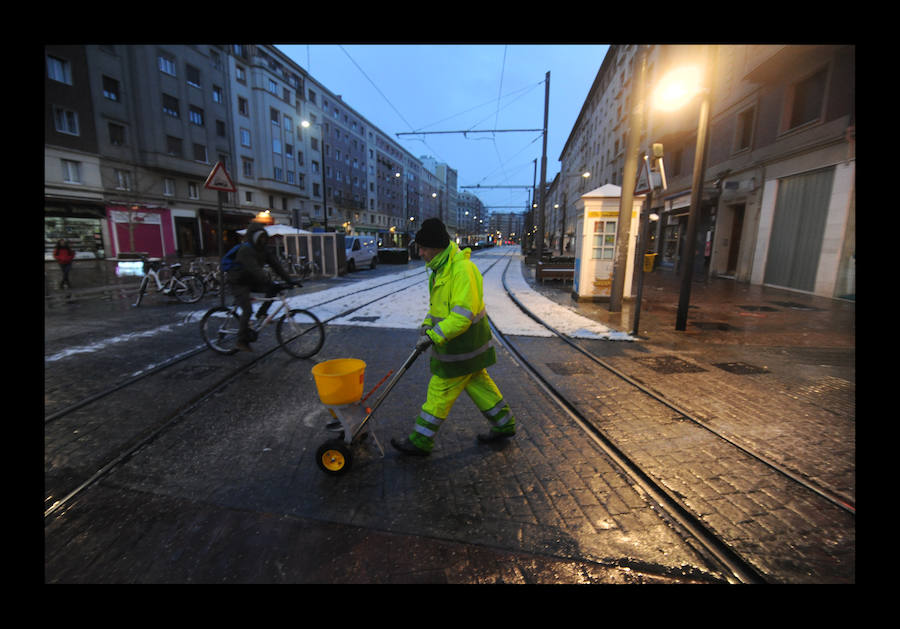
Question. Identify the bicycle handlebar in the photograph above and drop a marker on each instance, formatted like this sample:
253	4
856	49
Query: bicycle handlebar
282	286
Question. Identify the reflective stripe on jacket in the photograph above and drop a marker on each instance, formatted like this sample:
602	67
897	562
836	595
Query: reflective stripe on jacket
456	320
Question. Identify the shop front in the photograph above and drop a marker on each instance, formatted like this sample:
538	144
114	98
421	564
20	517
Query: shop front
81	225
139	229
231	223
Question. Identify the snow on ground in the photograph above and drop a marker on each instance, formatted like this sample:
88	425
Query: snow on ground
407	309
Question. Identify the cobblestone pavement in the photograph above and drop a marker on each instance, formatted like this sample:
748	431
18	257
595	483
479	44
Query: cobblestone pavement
232	494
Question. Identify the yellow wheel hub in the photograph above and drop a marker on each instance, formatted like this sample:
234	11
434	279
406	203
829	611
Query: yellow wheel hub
333	460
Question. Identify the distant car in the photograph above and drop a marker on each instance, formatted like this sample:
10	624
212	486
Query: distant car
361	251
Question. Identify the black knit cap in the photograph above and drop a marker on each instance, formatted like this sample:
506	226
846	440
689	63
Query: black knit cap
433	234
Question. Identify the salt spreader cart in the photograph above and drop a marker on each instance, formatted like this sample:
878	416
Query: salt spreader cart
340	386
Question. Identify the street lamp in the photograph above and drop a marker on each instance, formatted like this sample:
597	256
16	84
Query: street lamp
675	90
306	124
562	241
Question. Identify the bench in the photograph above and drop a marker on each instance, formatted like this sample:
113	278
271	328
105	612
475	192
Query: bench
562	270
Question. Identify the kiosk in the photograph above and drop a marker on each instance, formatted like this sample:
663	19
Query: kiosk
595	243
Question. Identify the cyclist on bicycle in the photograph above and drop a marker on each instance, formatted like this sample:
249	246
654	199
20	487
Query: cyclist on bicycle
247	276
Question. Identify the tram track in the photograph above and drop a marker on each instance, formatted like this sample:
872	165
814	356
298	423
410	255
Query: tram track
671	508
140	437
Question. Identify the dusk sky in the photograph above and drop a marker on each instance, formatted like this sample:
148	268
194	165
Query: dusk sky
430	87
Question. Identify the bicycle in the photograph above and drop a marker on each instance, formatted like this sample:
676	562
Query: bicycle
208	273
299	332
186	287
305	267
302	269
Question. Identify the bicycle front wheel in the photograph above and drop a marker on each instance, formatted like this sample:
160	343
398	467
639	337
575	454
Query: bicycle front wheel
219	328
300	333
188	288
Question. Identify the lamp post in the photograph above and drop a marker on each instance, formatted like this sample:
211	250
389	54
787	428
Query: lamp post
562	241
676	89
306	124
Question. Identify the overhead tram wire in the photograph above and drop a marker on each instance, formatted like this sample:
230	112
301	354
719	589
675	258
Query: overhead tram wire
397	111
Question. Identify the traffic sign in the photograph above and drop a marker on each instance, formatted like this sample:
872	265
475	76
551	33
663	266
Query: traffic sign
219	180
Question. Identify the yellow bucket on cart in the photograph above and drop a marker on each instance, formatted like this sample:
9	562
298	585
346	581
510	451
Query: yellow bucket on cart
340	381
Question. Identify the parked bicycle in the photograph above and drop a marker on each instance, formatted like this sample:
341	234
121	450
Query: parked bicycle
305	268
207	272
299	332
186	287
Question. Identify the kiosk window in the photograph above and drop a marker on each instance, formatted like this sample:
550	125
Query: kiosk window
604	240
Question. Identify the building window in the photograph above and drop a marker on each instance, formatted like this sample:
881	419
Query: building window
272	87
744	131
123	179
245	138
116	134
247	167
193	76
195	114
193	190
66	120
248	197
276	146
807	99
71	171
279	176
167	64
218	94
110	88
220	128
243	106
173	146
241	74
273	116
59	70
200	153
170	106
168	187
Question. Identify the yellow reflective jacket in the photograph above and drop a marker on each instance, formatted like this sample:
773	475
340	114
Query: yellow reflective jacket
456	320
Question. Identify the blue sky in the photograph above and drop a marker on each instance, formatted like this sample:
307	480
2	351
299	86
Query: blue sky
431	87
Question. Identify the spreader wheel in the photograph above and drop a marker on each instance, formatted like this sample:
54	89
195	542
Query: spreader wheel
334	457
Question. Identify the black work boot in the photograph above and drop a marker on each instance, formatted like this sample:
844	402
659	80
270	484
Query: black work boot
408	447
494	437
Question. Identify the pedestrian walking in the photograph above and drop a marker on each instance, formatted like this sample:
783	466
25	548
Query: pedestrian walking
457	331
64	255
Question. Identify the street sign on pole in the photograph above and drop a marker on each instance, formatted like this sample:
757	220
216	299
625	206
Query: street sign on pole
219	180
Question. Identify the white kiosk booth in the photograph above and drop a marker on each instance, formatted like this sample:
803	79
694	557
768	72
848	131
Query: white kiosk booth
595	243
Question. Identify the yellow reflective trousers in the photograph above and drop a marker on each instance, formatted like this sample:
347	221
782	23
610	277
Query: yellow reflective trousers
443	392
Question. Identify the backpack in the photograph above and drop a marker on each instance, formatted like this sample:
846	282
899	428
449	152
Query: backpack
228	260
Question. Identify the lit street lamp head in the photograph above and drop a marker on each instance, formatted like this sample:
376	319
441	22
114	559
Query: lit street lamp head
677	88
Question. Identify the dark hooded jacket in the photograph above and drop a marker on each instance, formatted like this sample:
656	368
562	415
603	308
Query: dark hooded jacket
251	259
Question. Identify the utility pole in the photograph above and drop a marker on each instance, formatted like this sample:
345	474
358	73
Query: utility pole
690	241
543	190
629	176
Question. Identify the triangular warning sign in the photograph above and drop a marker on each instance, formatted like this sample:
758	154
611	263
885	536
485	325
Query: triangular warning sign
645	179
642	183
219	180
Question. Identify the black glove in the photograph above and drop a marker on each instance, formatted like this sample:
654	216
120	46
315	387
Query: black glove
424	343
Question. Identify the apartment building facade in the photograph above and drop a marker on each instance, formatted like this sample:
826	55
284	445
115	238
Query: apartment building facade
133	131
778	198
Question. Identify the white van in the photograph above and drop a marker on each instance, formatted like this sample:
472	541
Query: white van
361	251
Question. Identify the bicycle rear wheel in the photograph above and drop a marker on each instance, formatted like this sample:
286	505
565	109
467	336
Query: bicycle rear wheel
219	328
300	333
188	288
